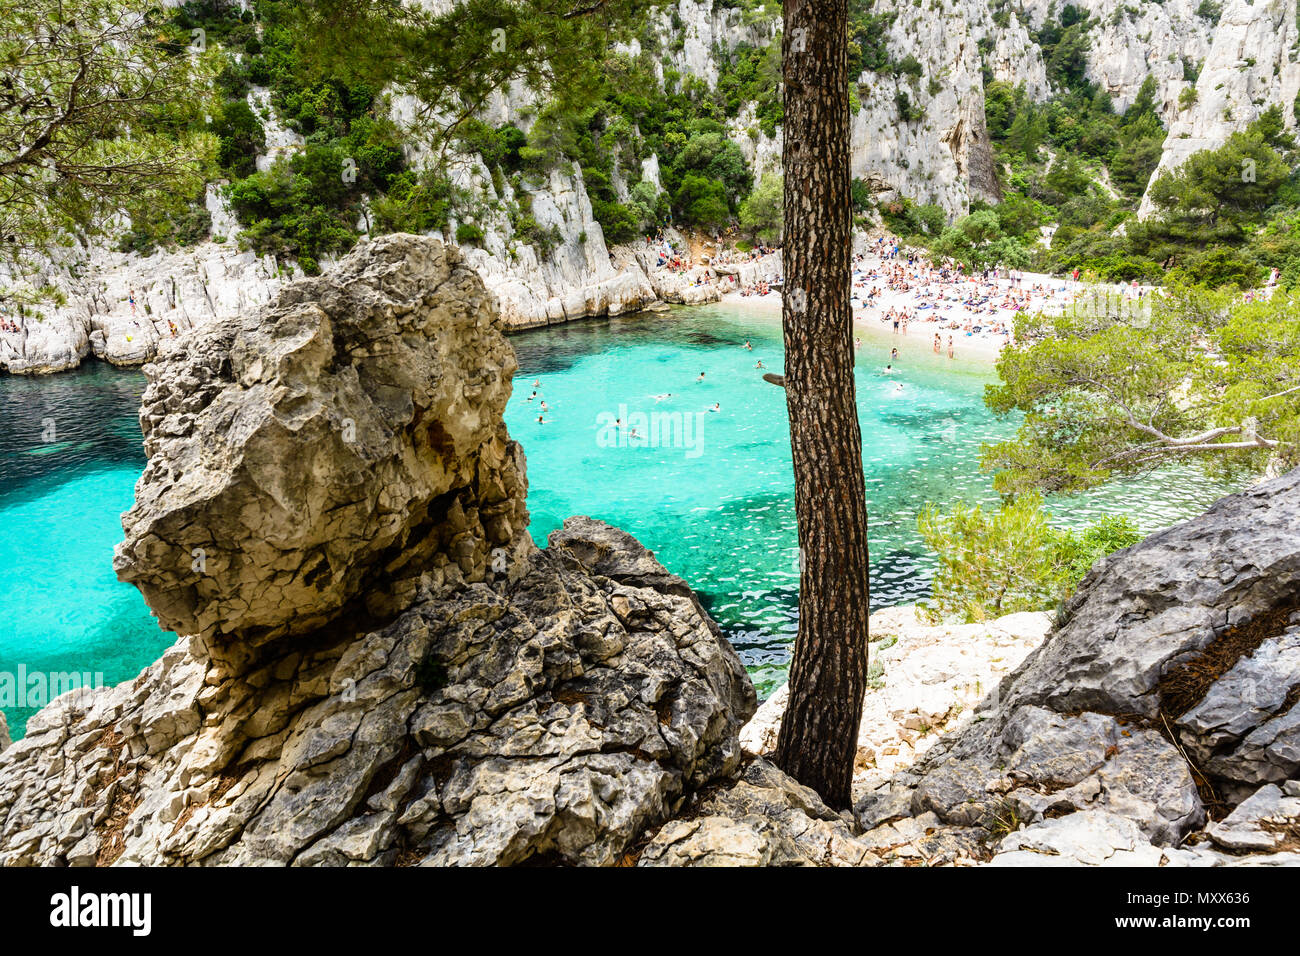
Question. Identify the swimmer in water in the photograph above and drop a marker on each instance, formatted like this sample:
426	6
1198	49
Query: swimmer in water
717	407
540	420
759	364
537	383
701	378
748	346
898	386
544	408
660	398
531	397
888	370
893	356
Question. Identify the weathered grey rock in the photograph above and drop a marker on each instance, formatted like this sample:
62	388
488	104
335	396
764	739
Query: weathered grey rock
931	679
1043	763
1176	665
1088	838
1267	820
326	448
4	732
1247	728
555	717
1144	610
764	819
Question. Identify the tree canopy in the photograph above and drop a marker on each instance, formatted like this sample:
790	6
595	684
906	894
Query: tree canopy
1115	391
99	112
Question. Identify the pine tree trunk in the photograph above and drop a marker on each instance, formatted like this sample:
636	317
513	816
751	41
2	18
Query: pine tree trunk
828	673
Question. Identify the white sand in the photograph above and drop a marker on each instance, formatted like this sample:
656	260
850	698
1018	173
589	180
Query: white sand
1047	294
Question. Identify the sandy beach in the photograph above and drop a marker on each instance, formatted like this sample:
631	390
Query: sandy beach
970	310
877	333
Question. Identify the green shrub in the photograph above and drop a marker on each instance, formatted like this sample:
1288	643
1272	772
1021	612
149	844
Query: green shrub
1012	559
467	233
414	203
763	213
702	202
1216	268
240	138
618	222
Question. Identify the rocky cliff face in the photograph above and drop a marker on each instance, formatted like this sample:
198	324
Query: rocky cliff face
1251	65
174	292
1156	38
937	153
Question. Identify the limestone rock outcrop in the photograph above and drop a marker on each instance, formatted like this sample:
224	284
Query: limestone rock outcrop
763	819
346	439
1251	65
552	718
174	292
930	680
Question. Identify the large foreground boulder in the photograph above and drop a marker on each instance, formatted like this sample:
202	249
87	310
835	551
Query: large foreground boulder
554	718
327	450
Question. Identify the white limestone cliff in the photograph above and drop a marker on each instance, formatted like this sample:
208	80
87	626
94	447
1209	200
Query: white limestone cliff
1251	66
940	155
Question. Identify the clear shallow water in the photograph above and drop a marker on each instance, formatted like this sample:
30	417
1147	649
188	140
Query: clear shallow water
716	509
719	510
62	493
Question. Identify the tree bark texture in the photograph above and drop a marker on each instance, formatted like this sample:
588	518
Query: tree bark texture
828	672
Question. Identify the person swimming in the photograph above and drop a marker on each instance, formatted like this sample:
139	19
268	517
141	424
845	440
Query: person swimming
748	346
759	364
700	378
660	398
893	355
717	407
888	369
540	420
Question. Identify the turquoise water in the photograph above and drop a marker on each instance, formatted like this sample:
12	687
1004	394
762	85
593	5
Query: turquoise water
718	510
714	502
62	491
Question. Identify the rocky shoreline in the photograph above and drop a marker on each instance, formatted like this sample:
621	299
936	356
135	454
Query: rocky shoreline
179	291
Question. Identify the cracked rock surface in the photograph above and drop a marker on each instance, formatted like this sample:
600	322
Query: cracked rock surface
555	717
1171	688
326	449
